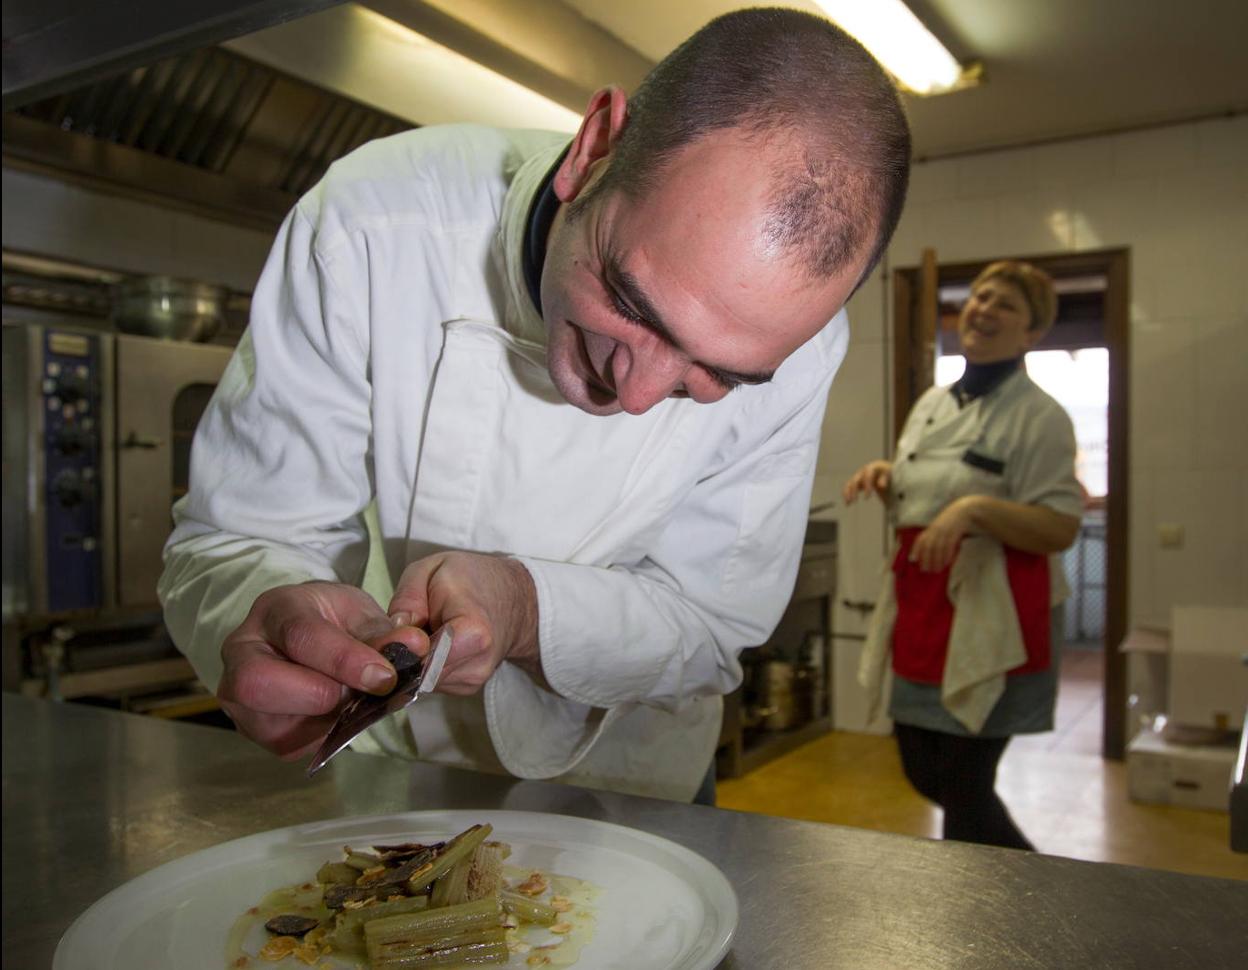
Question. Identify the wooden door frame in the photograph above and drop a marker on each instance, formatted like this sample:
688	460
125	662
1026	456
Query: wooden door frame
1114	264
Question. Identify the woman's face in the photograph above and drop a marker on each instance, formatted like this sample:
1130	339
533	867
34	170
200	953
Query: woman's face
996	323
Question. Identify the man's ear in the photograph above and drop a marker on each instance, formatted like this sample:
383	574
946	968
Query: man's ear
604	122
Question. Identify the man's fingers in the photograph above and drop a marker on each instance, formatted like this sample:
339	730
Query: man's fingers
258	679
314	642
409	606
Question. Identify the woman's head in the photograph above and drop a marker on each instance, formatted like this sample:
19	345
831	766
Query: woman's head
1011	306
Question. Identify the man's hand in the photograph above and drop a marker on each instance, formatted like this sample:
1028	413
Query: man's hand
490	604
873	477
288	664
936	545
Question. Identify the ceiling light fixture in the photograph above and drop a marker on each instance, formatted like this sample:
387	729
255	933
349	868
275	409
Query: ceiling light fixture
899	41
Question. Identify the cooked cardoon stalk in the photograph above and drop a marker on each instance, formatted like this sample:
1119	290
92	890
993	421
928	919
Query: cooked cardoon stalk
470	955
348	934
528	909
452	889
459	848
337	873
429	926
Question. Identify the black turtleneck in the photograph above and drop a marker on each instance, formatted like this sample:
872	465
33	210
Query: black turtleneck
979	379
537	231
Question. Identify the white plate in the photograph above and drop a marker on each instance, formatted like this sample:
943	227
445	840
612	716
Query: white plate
662	907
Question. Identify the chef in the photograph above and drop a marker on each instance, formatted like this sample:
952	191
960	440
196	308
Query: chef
983	494
579	388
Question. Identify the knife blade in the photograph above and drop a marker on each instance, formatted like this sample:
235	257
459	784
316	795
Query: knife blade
415	677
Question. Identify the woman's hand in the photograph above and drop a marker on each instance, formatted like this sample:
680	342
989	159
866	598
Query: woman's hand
873	477
936	545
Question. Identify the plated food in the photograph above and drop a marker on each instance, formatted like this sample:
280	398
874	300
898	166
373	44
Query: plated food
647	902
413	905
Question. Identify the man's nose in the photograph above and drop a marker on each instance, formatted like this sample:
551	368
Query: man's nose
646	373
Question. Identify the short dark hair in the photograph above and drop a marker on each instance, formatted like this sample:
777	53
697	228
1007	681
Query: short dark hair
781	72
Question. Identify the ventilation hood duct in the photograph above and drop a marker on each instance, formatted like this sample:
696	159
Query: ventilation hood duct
238	131
209	131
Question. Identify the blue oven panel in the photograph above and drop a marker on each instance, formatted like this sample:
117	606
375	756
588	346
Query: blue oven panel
71	396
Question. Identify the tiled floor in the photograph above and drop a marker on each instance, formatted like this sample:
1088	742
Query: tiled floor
1067	799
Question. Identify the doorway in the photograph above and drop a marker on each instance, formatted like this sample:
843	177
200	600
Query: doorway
1088	345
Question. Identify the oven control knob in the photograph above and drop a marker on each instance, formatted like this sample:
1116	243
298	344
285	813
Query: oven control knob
70	490
72	387
72	440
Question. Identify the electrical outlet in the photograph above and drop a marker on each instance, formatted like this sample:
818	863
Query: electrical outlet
1170	535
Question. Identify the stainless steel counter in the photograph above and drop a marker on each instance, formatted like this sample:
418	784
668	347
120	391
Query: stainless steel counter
93	798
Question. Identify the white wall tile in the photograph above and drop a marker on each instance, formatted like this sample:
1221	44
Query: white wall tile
1114	213
1143	604
933	181
996	173
906	246
1222	142
854	428
1220	423
1211	568
1073	162
1154	150
1037	222
1163	396
1209	286
866	308
962	229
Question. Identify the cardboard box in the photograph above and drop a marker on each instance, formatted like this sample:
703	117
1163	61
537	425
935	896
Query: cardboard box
1148	672
1186	775
1208	669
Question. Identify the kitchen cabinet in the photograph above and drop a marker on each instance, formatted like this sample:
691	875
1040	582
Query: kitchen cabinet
785	699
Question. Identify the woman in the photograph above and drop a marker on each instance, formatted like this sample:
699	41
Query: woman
983	494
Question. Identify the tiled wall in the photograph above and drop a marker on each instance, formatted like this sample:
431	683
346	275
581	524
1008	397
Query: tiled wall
1177	198
53	218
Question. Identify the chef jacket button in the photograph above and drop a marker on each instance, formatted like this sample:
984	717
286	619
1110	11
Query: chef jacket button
901	496
931	420
914	455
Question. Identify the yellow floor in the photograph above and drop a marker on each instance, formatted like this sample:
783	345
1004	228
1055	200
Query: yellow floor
1063	795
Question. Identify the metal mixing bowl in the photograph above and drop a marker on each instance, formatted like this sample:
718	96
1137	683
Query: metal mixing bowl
169	308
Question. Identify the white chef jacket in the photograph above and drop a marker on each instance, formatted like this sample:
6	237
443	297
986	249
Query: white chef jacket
393	354
1015	443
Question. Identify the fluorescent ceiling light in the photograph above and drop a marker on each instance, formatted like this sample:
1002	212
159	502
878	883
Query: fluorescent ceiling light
896	38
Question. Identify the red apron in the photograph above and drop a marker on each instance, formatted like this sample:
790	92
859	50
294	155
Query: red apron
925	612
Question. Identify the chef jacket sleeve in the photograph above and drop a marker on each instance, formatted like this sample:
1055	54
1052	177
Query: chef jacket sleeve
716	579
1043	470
279	467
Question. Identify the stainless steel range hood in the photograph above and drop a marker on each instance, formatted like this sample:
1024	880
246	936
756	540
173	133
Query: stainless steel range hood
237	132
208	131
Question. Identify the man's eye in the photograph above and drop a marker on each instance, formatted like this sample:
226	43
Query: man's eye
722	382
624	310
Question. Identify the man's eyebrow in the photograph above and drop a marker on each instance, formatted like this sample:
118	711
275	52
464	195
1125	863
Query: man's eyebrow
631	290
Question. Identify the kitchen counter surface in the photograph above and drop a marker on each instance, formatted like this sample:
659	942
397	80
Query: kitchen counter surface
93	798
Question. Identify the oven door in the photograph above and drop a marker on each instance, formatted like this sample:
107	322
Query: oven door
161	390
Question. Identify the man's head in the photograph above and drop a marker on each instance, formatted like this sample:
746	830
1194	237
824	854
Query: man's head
718	219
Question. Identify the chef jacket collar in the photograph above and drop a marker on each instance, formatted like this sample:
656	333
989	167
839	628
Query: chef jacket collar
979	379
541	216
